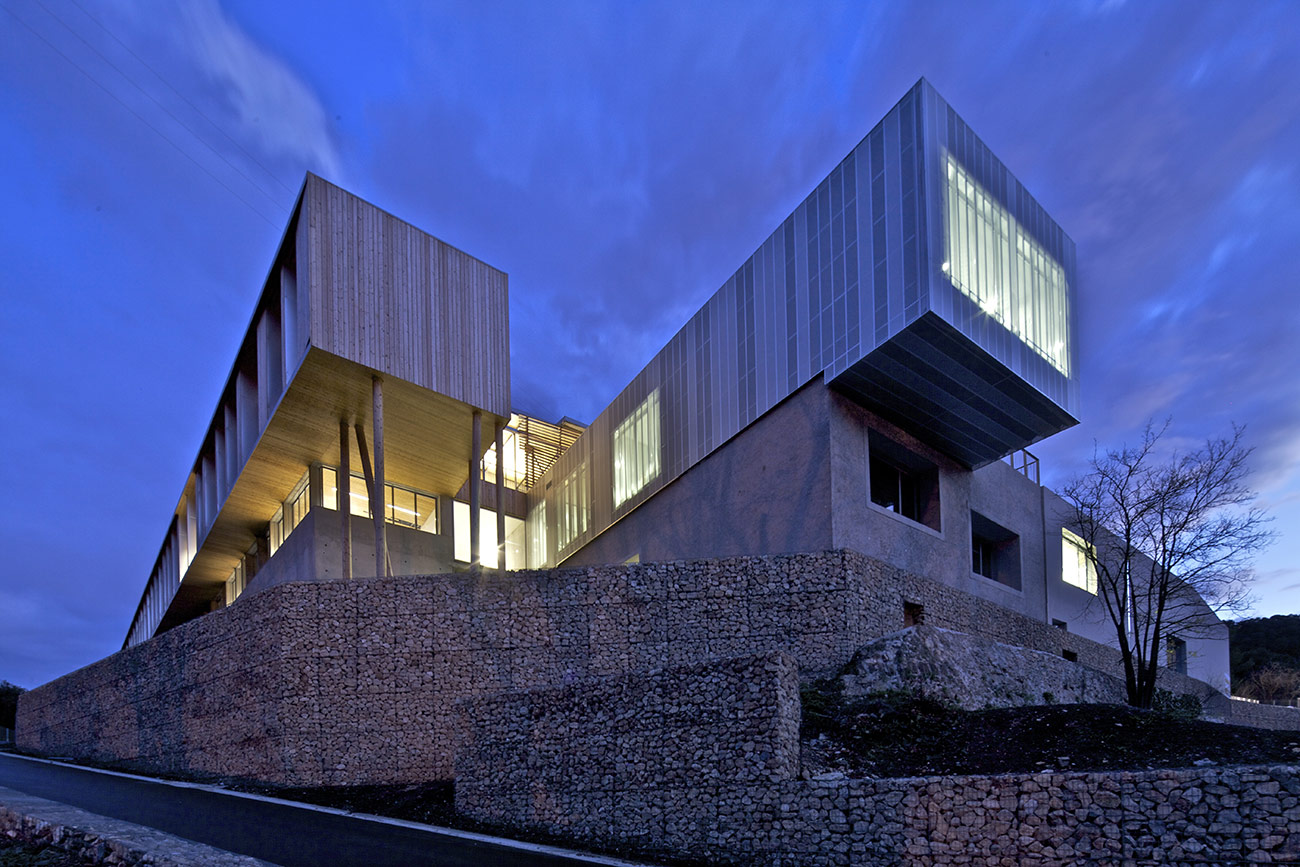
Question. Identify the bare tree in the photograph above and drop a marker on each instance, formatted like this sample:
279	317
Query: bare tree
1273	684
1170	538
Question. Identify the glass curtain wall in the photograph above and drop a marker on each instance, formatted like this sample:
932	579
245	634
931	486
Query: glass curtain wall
636	450
575	504
997	264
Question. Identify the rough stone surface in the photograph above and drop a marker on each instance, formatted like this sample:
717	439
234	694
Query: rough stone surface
973	672
1263	716
728	721
545	761
356	682
101	840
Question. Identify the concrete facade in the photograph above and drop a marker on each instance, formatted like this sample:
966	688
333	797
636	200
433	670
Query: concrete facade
798	479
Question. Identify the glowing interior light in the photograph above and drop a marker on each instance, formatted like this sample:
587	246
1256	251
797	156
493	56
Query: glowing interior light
998	264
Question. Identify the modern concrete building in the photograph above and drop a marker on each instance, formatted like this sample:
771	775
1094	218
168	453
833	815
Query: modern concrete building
868	379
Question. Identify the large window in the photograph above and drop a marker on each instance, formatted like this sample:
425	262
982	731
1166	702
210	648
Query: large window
573	507
236	583
636	450
487	524
291	513
1076	565
537	558
903	482
402	506
997	264
995	551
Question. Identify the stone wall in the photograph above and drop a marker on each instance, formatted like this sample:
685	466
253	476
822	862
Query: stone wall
356	682
702	762
972	672
89	838
1243	712
732	721
1189	816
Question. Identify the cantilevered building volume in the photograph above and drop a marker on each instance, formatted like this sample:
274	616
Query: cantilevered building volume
868	379
919	280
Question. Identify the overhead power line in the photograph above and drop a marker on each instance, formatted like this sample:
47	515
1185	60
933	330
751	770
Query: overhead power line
140	117
156	102
216	126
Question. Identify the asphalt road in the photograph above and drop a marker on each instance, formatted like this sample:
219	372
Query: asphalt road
295	836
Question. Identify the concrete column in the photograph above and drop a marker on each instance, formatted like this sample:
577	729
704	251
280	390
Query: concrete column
501	498
378	507
475	490
344	496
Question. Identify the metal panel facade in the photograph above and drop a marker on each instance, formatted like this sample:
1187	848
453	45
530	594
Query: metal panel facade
860	260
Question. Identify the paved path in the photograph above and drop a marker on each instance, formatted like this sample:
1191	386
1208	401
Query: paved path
283	832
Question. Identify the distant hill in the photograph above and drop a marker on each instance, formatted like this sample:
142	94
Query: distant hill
1262	642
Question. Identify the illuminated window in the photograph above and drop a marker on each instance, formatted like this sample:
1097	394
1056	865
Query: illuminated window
487	537
236	583
574	507
636	450
404	506
1076	565
992	260
537	537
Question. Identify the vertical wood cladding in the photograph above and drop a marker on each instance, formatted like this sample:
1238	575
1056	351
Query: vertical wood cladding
386	295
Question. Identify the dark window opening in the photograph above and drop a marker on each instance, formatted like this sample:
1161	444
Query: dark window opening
913	614
903	482
981	556
995	551
1070	655
1176	655
1061	625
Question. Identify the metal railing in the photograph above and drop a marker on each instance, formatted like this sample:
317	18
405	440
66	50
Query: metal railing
1025	463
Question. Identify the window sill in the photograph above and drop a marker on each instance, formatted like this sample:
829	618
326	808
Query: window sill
915	525
984	579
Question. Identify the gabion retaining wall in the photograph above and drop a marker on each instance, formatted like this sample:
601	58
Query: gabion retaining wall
356	682
702	761
1218	816
734	720
1263	716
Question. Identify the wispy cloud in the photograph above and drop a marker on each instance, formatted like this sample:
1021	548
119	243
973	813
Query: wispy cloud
273	107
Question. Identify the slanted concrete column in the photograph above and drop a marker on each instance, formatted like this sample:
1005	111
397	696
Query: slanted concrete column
343	496
475	489
501	497
378	506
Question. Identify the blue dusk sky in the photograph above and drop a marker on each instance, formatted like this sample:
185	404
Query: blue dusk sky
618	161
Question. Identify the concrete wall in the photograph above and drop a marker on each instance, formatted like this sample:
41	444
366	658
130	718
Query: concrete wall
1207	641
313	552
798	479
996	491
768	491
